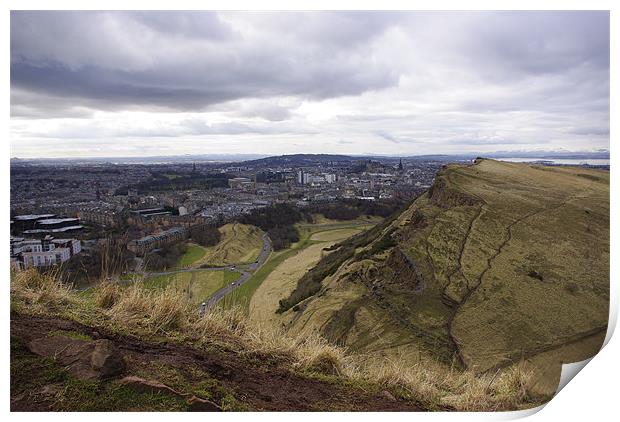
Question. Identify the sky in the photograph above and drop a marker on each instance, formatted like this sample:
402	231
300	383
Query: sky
131	84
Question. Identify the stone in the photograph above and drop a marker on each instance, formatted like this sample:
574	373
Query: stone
51	389
86	360
388	395
106	359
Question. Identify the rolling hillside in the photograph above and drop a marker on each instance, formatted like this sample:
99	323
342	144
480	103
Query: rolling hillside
240	243
497	263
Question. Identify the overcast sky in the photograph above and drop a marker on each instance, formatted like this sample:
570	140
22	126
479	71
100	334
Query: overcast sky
88	84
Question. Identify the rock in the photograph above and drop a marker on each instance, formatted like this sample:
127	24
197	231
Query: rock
196	404
106	359
388	395
51	389
86	360
141	385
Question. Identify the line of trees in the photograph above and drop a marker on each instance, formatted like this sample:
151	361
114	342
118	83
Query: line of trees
278	221
205	235
350	209
165	257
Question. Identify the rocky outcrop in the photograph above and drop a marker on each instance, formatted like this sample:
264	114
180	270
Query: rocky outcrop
106	359
443	195
84	359
404	270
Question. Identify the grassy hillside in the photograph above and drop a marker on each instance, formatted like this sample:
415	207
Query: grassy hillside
240	243
495	264
193	254
131	348
282	279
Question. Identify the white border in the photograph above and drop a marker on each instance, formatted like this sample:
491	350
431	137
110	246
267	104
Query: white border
591	395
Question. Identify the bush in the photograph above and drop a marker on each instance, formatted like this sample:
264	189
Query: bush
165	258
282	237
205	235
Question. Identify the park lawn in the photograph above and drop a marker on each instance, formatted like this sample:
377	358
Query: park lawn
197	285
193	254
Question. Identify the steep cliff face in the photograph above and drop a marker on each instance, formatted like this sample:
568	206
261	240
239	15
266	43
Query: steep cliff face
495	263
445	195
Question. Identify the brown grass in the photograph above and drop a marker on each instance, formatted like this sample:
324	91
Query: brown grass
107	295
156	310
433	385
41	291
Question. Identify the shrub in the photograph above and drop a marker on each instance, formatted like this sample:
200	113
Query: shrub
205	235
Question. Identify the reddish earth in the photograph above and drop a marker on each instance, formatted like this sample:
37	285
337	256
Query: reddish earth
257	382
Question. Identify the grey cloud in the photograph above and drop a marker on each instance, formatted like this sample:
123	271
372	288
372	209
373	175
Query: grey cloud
196	24
186	127
386	135
272	112
536	42
113	59
396	81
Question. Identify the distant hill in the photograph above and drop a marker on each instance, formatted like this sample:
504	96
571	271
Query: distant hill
300	159
497	263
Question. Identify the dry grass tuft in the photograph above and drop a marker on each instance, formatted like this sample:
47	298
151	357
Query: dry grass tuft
314	353
217	322
107	295
167	310
41	290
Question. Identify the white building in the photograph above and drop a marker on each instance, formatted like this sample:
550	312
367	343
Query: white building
45	259
330	178
26	253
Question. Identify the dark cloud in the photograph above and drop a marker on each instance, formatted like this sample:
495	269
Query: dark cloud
118	59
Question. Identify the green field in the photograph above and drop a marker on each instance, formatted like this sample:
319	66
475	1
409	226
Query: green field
198	285
193	254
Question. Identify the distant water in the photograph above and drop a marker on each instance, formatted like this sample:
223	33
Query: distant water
566	161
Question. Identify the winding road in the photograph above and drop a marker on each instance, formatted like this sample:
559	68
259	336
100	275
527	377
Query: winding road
246	272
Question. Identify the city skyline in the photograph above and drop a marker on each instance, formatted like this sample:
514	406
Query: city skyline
130	84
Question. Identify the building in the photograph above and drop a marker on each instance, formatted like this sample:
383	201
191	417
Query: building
303	177
154	241
240	182
28	221
46	252
102	217
330	178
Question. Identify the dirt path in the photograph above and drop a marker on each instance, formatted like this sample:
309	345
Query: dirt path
257	381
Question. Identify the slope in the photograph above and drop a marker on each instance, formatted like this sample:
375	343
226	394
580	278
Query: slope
496	263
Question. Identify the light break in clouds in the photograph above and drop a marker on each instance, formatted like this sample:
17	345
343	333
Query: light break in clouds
400	83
